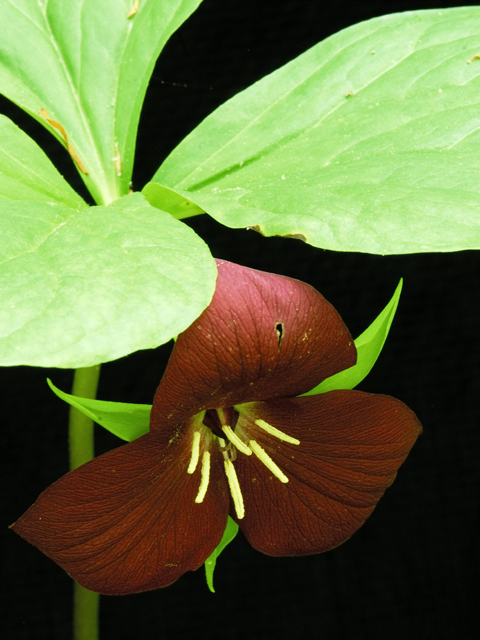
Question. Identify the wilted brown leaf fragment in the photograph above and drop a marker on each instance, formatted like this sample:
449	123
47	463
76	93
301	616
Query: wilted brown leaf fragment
44	113
134	9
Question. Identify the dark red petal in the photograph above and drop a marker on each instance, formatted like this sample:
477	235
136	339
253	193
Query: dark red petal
127	521
263	336
351	446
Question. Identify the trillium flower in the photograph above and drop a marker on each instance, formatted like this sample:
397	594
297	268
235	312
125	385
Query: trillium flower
229	435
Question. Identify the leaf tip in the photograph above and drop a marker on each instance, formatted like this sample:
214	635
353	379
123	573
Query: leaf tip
209	568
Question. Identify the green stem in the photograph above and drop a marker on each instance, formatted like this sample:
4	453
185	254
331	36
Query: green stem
85	613
81	445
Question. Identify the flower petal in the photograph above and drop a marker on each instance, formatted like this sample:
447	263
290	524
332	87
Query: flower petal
351	446
263	336
127	521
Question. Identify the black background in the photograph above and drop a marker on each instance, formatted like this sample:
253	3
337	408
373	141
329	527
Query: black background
412	571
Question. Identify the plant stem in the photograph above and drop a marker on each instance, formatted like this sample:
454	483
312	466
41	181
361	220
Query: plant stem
81	446
85	382
85	613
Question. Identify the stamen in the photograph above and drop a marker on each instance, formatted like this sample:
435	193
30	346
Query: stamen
202	490
267	461
234	439
276	432
195	452
234	489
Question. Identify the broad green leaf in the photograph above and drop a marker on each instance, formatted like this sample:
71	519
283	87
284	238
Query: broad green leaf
369	346
26	173
81	67
168	200
229	534
124	420
84	287
369	141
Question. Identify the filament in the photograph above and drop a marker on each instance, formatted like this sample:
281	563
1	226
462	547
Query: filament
276	432
263	456
195	452
234	489
202	490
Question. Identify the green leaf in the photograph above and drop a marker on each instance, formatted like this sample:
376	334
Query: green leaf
26	173
229	534
124	420
369	346
81	68
369	141
89	286
168	200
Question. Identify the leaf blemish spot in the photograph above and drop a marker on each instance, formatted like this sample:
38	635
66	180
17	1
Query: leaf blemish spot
295	236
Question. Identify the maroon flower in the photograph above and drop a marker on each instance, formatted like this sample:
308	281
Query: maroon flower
229	436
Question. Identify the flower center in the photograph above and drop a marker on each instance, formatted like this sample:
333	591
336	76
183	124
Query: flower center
230	437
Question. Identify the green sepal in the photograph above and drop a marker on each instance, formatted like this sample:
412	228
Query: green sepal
369	346
229	534
123	419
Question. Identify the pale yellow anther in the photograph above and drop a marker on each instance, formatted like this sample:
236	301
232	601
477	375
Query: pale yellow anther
234	439
202	490
276	432
235	490
263	456
195	452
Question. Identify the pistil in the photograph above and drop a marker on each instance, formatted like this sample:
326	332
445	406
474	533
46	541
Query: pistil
220	423
234	439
